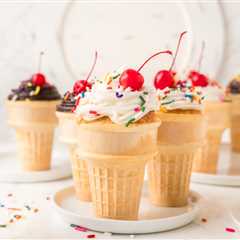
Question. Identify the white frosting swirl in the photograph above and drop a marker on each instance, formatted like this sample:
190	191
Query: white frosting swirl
179	99
213	93
122	106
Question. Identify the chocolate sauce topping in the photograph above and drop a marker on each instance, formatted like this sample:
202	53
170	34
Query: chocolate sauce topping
68	103
27	90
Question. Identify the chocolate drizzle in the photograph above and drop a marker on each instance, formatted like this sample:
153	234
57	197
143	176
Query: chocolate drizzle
234	86
68	103
27	90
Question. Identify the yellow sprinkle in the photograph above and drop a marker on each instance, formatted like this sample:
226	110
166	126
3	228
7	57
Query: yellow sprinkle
37	90
29	84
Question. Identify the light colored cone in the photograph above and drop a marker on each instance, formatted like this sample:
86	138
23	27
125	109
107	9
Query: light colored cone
67	134
169	175
116	158
179	138
235	123
218	118
34	122
80	175
207	159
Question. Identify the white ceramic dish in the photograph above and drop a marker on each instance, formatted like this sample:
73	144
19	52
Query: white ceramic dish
10	170
228	173
152	219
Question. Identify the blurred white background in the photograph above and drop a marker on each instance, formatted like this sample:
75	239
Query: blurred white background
123	32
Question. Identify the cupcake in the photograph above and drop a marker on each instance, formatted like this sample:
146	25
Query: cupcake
233	89
68	128
216	111
179	137
117	135
31	112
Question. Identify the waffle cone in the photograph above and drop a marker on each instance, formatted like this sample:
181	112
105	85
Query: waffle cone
179	138
116	175
80	176
206	160
34	123
169	175
67	127
116	184
218	118
235	124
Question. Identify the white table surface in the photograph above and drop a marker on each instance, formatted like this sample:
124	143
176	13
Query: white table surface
216	207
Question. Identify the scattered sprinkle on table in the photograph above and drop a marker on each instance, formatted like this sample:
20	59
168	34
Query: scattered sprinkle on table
10	195
47	198
204	220
18	217
228	229
91	236
35	210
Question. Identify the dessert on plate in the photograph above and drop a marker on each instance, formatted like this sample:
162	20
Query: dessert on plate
217	113
117	135
68	127
31	112
233	90
180	135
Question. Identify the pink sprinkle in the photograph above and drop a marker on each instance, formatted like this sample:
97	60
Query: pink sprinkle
81	229
137	109
91	236
232	230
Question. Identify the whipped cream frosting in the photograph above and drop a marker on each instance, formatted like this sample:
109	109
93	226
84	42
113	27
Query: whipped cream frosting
122	106
183	97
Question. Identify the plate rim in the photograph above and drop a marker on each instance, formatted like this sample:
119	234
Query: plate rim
191	214
27	177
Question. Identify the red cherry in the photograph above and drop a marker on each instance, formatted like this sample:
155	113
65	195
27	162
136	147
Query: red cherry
81	86
198	79
163	79
133	78
39	79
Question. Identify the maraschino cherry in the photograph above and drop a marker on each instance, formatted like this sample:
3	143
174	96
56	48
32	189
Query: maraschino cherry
82	85
198	79
38	79
133	78
165	78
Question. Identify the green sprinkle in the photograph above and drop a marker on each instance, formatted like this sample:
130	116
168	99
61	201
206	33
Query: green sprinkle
130	121
168	102
143	108
3	225
142	100
116	76
145	93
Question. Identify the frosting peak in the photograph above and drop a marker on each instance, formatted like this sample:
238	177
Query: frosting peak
122	106
183	97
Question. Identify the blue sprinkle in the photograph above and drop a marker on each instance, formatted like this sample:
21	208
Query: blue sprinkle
119	95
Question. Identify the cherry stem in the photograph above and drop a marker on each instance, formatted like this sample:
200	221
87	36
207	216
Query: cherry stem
40	61
201	56
93	66
154	55
178	45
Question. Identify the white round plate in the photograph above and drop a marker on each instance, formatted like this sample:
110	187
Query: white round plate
235	214
10	169
228	172
151	218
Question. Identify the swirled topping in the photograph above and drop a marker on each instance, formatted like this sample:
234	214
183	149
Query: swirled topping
234	86
68	103
122	105
29	90
183	97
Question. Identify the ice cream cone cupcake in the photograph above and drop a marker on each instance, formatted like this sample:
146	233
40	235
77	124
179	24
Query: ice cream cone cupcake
180	136
31	112
117	135
217	113
233	90
68	133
